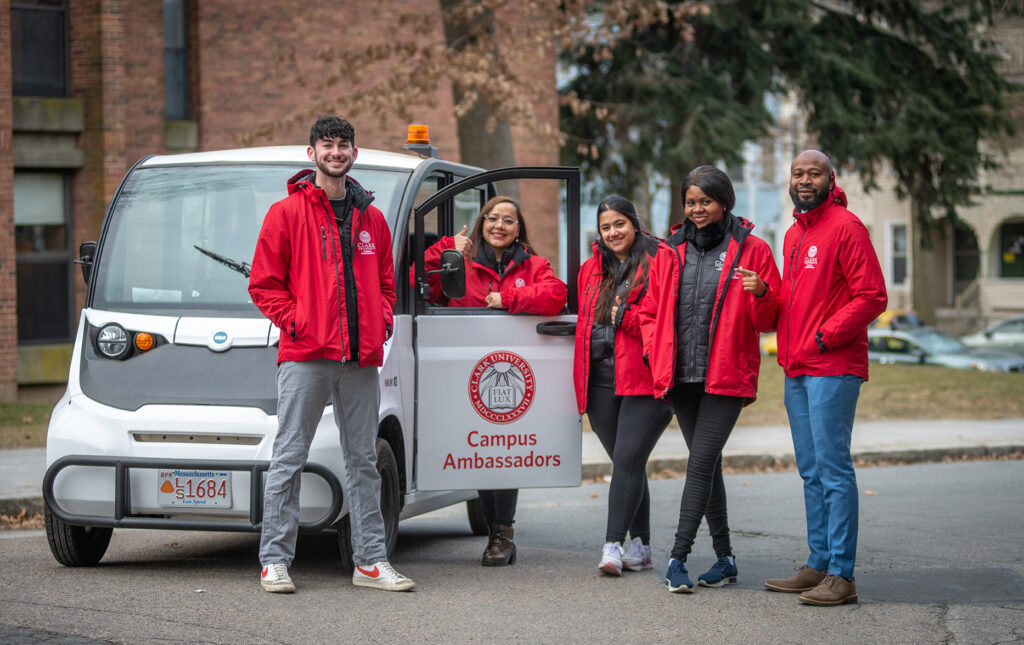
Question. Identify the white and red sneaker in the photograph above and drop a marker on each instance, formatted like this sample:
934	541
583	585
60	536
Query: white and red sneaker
381	575
611	559
275	579
638	557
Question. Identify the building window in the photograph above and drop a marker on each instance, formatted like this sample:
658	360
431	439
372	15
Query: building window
898	254
42	235
1011	245
176	74
966	259
39	48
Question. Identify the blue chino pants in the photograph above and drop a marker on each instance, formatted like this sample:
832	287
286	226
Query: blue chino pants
821	411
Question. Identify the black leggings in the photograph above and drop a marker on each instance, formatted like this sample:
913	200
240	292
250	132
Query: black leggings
707	421
628	427
499	505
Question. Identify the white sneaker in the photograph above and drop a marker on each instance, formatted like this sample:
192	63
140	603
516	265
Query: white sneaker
638	557
274	578
381	575
611	559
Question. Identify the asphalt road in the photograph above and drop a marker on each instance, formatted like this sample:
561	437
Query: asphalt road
940	561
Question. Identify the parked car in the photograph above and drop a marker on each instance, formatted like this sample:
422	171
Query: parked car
1007	335
896	319
928	346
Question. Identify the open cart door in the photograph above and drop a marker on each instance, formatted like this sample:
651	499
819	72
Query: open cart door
495	405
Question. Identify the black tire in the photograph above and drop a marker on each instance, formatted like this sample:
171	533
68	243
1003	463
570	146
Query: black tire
390	507
477	521
76	546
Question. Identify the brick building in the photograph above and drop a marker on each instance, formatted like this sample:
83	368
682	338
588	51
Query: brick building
88	87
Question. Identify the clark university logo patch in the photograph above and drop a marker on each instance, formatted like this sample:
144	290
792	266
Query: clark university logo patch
365	245
502	387
811	260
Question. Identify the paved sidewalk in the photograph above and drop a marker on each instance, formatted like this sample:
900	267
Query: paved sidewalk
21	471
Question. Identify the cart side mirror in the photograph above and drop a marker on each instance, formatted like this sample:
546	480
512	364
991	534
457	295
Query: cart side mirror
453	274
86	252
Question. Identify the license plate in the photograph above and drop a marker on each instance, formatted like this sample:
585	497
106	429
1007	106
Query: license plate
195	488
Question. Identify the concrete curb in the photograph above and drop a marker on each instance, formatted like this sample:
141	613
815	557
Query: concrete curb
755	463
788	462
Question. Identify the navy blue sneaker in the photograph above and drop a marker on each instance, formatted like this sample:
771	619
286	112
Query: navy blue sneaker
722	572
676	578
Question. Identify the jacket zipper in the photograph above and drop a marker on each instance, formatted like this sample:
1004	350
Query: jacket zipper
696	306
338	278
323	242
792	283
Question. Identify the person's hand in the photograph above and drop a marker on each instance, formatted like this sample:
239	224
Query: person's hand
752	282
493	300
462	243
615	307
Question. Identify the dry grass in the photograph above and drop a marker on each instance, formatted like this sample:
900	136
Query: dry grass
21	521
906	392
23	425
901	392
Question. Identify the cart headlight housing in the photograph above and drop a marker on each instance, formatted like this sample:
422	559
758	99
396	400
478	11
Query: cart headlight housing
113	341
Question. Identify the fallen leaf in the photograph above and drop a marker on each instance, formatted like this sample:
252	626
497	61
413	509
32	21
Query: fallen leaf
593	496
870	492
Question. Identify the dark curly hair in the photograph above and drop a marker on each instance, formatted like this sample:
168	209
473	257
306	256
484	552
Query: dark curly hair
331	127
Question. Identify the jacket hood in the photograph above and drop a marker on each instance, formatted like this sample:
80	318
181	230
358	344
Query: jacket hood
304	180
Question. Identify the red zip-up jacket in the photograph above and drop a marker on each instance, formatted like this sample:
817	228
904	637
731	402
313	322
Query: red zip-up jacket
632	376
832	283
734	353
298	279
528	286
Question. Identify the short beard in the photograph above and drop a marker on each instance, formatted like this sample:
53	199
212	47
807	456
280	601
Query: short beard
322	167
806	206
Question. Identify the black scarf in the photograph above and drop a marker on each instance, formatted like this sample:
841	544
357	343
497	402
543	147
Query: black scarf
709	236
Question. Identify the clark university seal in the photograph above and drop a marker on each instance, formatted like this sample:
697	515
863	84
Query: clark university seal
502	387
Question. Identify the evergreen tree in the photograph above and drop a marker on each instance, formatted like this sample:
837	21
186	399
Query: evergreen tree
903	84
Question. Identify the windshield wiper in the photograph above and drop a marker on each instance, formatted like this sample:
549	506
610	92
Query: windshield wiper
242	267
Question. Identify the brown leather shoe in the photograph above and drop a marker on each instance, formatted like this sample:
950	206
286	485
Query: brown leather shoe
501	548
804	580
833	590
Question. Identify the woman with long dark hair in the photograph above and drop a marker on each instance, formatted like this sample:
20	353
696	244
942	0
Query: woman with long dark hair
700	322
613	385
501	273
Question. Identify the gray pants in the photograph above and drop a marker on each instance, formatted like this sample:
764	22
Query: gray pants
303	390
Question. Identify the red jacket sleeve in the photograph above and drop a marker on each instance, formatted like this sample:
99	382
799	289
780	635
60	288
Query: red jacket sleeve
658	280
432	262
859	265
544	294
268	278
764	310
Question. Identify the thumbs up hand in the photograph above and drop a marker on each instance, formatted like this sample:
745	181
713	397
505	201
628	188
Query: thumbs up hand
752	282
615	307
462	243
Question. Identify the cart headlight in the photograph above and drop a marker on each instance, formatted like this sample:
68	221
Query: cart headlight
112	341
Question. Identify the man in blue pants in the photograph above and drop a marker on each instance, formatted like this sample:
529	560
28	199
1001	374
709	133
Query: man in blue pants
832	288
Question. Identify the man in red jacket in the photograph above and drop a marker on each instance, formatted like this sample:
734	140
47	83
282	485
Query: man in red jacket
324	274
832	288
